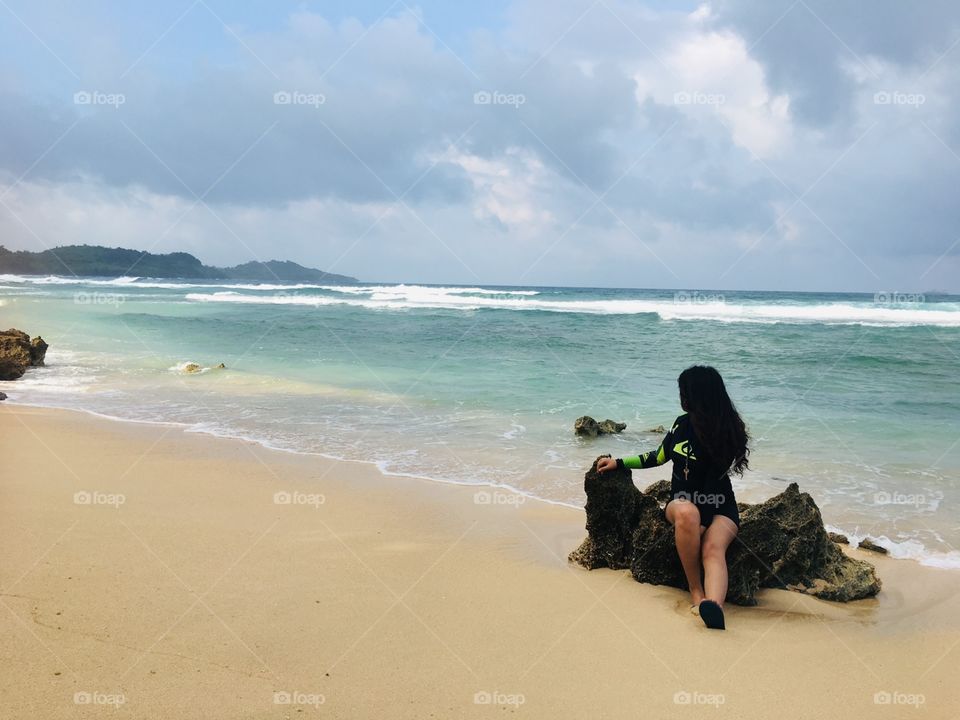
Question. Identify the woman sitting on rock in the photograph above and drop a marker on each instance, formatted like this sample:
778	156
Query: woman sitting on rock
705	444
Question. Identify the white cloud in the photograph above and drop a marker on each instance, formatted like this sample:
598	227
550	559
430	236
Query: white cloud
507	188
707	73
703	13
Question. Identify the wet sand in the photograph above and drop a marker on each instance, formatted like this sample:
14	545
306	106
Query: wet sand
151	573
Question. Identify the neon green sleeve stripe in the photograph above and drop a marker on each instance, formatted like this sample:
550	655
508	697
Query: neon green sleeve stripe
652	458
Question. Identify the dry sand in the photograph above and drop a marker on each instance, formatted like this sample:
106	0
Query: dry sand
175	586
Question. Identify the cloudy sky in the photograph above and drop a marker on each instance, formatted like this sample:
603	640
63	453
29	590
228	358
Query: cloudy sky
737	144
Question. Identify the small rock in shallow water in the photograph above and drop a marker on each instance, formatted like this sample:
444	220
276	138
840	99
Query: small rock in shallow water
221	366
610	427
192	368
868	544
838	538
658	429
3	396
586	426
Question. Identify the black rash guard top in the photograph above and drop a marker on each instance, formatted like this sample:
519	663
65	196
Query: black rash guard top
696	476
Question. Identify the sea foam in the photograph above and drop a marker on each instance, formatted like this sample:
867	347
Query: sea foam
403	297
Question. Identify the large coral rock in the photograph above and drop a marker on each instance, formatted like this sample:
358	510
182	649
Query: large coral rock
17	353
781	544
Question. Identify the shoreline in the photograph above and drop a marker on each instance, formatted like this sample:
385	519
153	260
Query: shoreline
927	558
199	595
186	428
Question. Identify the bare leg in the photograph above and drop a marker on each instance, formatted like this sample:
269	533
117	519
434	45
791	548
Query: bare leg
685	518
716	540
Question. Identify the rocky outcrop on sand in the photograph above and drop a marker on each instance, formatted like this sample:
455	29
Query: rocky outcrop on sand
868	544
586	426
781	544
18	352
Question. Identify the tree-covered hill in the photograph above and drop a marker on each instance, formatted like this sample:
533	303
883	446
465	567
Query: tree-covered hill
98	261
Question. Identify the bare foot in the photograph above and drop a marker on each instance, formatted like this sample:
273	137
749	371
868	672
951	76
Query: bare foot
697	598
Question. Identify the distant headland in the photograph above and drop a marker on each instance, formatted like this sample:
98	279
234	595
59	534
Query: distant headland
98	261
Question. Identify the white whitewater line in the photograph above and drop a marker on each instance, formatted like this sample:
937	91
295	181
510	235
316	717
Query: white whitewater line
407	297
403	290
905	550
138	282
64	280
432	298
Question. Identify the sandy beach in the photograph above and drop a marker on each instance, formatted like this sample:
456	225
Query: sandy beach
151	573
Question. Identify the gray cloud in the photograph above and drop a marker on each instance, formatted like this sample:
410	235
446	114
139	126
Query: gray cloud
597	103
803	44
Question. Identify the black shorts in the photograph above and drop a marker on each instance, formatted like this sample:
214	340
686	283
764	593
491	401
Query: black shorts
709	504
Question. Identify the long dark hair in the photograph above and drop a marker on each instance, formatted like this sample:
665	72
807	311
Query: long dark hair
716	422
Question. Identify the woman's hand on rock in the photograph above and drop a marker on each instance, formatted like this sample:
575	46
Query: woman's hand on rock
604	464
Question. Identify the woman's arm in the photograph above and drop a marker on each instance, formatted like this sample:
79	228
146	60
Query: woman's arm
646	460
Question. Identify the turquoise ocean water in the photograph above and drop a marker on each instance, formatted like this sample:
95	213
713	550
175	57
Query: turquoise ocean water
855	397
